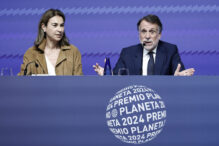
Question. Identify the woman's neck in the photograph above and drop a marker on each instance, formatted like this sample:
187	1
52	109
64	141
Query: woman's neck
52	44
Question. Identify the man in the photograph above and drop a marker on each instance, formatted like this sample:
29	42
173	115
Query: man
152	56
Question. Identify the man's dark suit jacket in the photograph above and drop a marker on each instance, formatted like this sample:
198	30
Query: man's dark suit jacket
167	59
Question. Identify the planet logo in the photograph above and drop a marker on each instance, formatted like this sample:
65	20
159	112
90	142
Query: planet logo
136	114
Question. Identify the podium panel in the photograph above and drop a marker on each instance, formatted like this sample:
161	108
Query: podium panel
57	111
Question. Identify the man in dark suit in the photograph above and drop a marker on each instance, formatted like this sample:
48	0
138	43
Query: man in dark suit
152	56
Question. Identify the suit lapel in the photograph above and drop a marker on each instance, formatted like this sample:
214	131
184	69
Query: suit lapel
160	59
138	59
61	57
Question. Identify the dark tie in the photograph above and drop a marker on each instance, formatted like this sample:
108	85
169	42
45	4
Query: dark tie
151	64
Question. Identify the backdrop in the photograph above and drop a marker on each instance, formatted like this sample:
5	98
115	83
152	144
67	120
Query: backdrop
101	28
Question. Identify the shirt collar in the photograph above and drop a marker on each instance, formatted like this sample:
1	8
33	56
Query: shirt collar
145	52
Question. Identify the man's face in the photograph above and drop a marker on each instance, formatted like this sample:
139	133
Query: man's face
149	35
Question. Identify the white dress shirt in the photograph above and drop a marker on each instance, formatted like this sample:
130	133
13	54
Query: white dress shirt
50	67
145	60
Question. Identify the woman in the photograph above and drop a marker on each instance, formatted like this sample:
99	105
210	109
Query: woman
52	54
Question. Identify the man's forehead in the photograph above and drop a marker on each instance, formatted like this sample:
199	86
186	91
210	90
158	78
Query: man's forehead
147	25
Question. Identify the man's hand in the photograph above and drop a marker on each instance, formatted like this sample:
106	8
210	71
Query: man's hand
98	69
187	72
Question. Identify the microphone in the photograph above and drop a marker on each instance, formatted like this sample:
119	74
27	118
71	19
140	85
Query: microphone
25	70
144	42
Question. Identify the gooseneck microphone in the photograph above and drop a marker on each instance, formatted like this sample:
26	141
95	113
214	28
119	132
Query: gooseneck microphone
25	70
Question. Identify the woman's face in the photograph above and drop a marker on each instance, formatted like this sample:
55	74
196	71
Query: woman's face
54	29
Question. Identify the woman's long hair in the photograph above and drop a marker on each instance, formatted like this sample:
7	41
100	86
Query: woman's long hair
44	20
